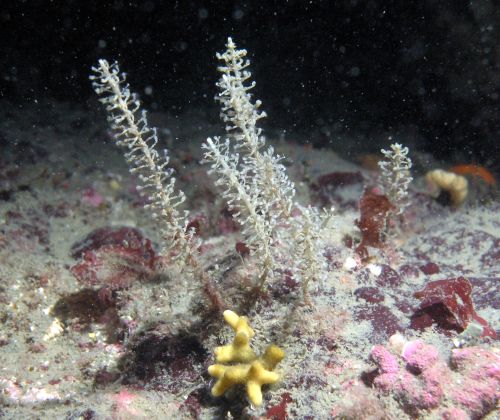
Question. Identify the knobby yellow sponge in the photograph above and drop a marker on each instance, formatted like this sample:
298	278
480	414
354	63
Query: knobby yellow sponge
237	363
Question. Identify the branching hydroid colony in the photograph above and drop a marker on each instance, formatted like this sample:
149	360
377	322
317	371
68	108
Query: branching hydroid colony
254	182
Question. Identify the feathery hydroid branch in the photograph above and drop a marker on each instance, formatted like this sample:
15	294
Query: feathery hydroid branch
243	198
241	116
133	133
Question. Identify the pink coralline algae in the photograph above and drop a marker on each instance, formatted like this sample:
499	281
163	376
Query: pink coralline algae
481	367
91	198
125	405
420	380
449	303
415	390
114	258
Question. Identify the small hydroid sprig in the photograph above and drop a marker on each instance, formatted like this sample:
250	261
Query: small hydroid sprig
395	175
310	264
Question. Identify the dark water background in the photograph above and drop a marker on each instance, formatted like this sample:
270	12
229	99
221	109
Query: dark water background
426	71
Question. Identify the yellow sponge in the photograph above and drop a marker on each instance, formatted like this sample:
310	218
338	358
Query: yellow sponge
244	367
239	351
